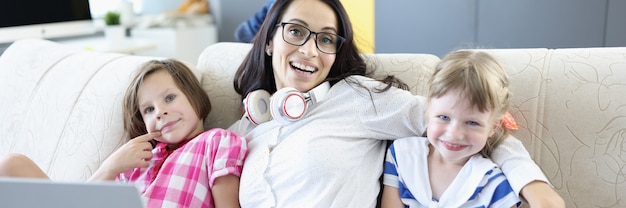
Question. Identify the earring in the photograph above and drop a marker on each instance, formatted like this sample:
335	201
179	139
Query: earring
268	52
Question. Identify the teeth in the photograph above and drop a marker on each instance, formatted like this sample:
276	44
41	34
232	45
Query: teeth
303	67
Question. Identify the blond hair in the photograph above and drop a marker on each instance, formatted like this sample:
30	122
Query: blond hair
185	80
480	79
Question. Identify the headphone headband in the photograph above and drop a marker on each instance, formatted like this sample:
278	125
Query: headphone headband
318	93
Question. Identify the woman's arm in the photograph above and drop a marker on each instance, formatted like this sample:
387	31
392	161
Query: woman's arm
524	174
226	191
393	114
540	194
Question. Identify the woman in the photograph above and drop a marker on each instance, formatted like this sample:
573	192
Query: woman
331	155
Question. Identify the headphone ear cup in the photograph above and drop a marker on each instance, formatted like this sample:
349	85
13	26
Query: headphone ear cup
256	106
288	105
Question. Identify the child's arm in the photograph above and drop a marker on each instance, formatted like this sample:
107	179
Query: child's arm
230	150
391	197
226	191
136	153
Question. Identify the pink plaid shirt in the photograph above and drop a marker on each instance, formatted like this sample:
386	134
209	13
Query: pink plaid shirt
187	175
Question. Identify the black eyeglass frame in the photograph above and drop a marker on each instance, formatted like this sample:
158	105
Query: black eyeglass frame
340	40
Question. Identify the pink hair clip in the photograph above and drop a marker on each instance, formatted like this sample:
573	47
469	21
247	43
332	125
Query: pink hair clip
509	122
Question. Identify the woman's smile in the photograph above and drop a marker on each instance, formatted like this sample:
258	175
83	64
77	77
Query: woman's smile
299	67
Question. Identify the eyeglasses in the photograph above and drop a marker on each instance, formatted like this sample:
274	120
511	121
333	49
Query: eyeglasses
298	35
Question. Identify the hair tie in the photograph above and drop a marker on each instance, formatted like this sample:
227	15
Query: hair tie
509	122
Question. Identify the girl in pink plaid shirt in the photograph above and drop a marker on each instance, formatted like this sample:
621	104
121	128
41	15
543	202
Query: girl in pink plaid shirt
164	107
172	159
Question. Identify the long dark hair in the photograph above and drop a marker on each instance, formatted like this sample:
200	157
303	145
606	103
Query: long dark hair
256	70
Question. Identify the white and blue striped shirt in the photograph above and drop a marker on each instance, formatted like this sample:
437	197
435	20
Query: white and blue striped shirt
480	183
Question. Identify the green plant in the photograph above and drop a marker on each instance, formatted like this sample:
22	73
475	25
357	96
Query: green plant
112	18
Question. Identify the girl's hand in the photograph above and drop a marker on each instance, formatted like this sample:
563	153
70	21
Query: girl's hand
136	153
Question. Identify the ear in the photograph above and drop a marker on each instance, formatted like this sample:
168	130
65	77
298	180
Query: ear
497	125
268	48
495	128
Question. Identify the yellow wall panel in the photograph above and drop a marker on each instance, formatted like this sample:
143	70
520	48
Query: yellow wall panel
361	14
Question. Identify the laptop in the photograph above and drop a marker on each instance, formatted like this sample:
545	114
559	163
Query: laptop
27	193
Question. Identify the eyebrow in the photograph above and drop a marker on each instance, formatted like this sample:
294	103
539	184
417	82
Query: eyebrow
296	20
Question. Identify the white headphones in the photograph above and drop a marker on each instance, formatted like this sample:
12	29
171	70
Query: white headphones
285	106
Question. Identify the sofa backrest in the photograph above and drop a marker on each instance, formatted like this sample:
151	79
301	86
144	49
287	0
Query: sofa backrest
570	105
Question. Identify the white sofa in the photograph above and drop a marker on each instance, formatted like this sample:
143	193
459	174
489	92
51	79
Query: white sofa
62	107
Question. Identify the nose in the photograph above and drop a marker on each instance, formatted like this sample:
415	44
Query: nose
455	131
160	112
309	48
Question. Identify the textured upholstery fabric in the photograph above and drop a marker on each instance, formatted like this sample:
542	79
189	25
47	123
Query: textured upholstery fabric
571	107
61	106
